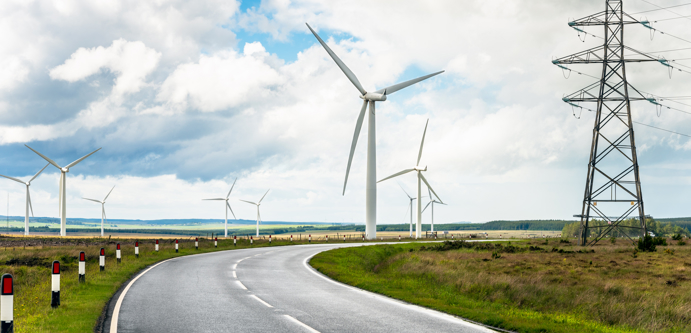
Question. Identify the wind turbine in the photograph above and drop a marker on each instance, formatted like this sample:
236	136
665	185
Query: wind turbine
259	217
411	208
103	208
432	202
419	185
227	205
28	198
371	98
62	197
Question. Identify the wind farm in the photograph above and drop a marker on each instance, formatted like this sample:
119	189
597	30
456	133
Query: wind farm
103	208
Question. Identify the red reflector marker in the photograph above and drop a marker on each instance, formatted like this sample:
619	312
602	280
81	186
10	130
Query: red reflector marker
7	285
56	267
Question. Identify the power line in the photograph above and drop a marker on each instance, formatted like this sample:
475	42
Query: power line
659	8
667	19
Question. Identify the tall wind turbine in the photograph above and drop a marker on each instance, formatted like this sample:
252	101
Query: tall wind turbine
419	185
371	98
227	205
62	197
28	198
411	208
103	208
259	217
432	202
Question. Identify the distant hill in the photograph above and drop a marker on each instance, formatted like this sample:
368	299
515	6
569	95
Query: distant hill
78	221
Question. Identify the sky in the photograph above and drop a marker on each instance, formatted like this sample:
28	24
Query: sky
184	97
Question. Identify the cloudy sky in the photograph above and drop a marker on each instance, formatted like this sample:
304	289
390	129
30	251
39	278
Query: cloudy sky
186	96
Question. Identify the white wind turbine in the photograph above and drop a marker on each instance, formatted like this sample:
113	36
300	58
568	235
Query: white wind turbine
411	208
227	205
62	197
103	208
28	198
259	217
432	202
419	185
371	98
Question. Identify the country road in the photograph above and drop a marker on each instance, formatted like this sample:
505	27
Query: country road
270	289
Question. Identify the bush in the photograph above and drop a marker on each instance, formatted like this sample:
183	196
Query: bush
676	237
646	244
681	242
612	240
660	241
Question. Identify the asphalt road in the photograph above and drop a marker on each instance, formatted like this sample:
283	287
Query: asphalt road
264	290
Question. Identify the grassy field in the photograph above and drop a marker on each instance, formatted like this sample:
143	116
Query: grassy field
530	286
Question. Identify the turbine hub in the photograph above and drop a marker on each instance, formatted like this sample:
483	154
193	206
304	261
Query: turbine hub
377	97
65	170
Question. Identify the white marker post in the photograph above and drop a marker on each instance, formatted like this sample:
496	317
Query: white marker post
235	240
216	242
136	249
82	267
363	238
343	238
176	246
327	238
55	285
157	245
251	240
269	239
310	238
102	259
291	238
399	238
196	243
7	304
117	252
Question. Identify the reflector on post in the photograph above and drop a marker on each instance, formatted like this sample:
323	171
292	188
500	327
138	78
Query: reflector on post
251	240
235	240
102	260
55	285
196	243
82	267
117	252
216	242
157	245
176	246
136	249
6	304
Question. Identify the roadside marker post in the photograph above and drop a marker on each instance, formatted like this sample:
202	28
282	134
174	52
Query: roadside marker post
291	238
82	267
363	238
136	249
7	304
269	239
176	246
196	243
251	240
102	259
310	238
157	245
216	242
235	240
343	238
117	252
55	285
327	238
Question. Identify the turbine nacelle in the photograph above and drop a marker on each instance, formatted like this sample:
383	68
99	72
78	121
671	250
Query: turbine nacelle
375	97
420	169
65	170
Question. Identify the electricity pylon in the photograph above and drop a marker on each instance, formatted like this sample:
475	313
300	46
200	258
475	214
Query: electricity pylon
613	165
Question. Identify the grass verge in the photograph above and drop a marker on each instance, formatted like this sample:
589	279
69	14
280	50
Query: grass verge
528	286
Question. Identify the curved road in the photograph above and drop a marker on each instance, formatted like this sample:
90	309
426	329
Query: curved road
270	289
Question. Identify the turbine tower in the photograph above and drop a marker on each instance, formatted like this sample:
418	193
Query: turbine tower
259	217
62	197
411	208
227	205
103	208
419	185
28	198
431	202
368	98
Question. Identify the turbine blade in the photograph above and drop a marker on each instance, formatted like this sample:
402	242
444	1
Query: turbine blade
231	210
248	202
427	205
28	193
351	76
231	188
216	199
259	215
111	190
404	191
45	158
397	174
430	194
358	127
103	208
94	200
398	86
422	143
38	173
260	200
12	178
81	159
430	187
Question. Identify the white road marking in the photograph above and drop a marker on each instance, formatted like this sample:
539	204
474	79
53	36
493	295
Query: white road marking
261	301
234	275
301	324
241	285
235	266
116	310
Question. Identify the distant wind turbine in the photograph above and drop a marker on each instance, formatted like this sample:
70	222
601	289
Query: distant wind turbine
227	205
411	208
419	185
259	217
371	98
103	208
62	197
432	202
28	198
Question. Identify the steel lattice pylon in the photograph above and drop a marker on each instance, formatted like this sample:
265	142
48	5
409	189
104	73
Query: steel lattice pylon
613	179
